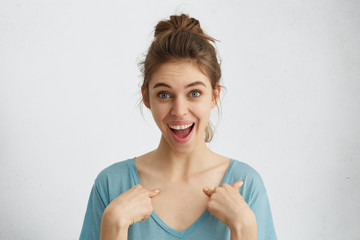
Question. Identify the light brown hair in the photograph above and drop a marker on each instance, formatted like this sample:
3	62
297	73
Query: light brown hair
181	39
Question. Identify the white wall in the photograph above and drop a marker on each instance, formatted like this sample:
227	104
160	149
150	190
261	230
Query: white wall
69	87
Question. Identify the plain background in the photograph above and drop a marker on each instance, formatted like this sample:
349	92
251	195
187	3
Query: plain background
69	88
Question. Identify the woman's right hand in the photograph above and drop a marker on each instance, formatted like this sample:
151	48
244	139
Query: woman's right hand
128	208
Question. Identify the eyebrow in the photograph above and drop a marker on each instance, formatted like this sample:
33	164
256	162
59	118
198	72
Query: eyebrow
187	86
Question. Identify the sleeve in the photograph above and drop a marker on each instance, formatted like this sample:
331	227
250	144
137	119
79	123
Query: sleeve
259	203
93	215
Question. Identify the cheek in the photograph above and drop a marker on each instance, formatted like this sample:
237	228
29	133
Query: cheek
159	113
202	111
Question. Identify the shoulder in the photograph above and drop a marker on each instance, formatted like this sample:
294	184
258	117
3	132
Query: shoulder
243	170
253	184
115	179
115	170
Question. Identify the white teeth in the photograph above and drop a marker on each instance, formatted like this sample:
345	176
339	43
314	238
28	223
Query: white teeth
178	127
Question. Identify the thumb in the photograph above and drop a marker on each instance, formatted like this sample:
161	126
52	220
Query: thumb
154	193
237	185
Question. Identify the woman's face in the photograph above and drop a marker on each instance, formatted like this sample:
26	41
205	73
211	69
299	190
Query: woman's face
180	98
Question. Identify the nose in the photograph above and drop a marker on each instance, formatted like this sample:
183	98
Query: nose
180	107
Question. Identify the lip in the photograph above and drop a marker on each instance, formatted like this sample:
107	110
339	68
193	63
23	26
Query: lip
177	123
178	139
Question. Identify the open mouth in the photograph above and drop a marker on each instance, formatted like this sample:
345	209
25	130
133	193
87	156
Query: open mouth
182	131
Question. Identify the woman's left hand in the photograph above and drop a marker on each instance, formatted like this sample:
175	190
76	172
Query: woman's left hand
227	205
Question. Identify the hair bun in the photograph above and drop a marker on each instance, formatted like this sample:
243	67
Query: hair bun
179	22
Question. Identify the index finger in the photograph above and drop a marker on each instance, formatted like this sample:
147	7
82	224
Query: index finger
154	193
208	192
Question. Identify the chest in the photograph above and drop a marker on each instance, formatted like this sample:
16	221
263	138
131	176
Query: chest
181	203
179	206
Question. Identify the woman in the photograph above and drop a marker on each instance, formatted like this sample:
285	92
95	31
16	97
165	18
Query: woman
181	190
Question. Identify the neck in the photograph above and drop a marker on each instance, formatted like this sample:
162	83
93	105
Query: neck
181	166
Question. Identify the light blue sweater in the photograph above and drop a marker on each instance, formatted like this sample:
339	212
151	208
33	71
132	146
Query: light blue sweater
122	176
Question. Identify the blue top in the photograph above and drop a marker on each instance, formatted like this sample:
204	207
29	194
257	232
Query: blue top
121	176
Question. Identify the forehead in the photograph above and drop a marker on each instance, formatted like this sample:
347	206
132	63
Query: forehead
179	73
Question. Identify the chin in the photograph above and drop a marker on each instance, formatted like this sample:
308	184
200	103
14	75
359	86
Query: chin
184	150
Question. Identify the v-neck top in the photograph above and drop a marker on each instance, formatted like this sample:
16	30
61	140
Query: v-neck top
121	176
192	227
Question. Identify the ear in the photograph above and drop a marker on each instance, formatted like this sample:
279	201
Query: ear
145	97
216	95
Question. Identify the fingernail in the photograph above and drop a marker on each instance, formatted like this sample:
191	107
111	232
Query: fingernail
157	190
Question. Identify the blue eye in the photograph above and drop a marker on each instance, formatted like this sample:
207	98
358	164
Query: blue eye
195	94
163	95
